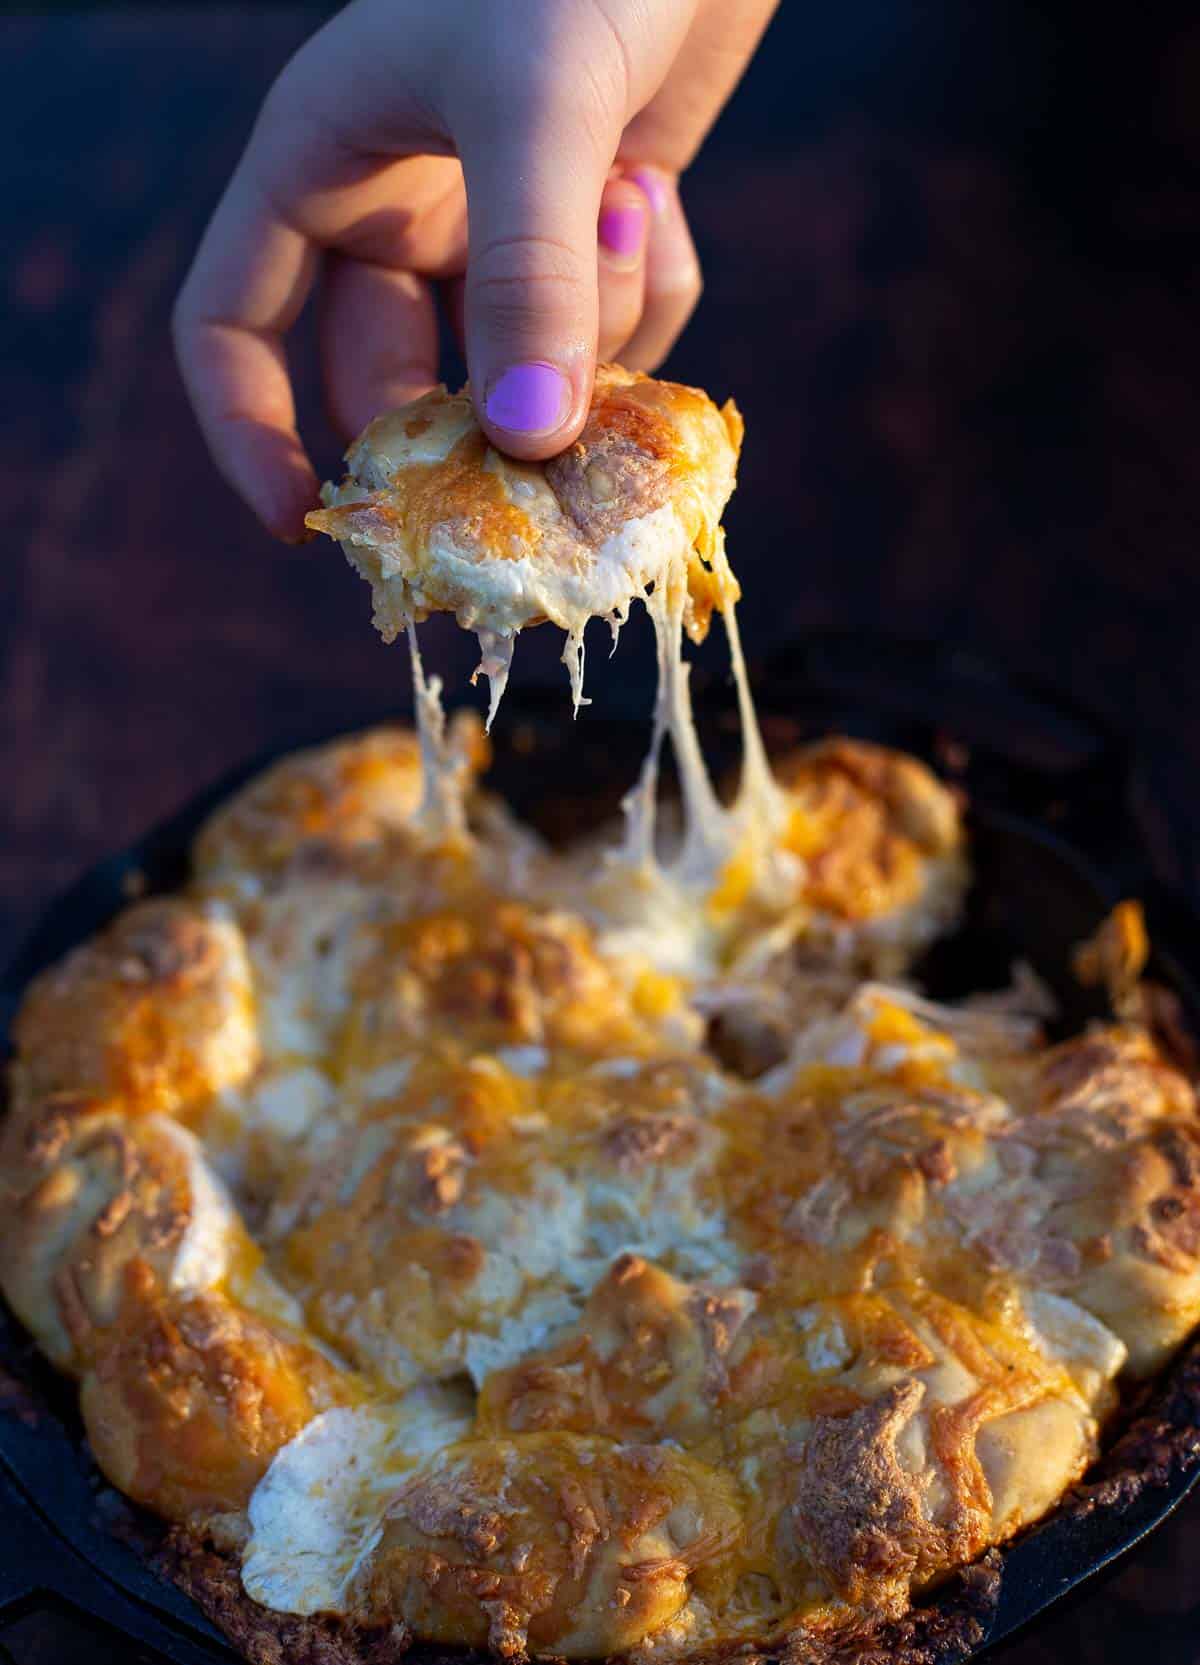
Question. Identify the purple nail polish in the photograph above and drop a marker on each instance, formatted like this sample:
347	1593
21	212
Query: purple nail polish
623	230
653	186
529	399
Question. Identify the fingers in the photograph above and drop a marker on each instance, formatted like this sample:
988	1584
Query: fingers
378	341
673	282
302	184
246	286
621	238
671	126
534	185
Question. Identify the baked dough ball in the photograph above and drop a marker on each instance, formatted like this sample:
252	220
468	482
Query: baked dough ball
465	1218
92	1196
438	521
1095	1192
883	848
550	1542
193	1396
650	1358
313	811
154	1015
495	975
932	1434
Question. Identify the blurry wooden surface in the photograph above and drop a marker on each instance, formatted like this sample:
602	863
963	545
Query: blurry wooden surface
951	266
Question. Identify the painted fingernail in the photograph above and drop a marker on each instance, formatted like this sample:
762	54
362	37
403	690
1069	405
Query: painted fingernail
529	399
653	185
623	230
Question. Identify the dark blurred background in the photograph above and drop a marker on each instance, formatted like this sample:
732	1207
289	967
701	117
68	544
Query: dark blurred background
952	255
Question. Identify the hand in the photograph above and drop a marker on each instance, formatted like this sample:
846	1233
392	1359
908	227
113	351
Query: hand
561	125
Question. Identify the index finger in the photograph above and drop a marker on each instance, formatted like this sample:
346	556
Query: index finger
246	288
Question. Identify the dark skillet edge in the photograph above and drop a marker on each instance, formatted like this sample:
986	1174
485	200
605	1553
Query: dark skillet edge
174	1580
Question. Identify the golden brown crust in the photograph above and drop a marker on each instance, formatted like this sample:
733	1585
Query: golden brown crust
650	1357
857	1512
213	1580
317	807
153	1016
495	975
868	823
192	1396
94	1195
552	1543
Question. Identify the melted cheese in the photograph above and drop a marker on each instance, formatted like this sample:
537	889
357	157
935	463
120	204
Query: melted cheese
442	814
319	1509
437	519
203	1255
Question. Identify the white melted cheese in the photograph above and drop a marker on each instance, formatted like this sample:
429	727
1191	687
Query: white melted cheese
261	1291
534	1235
660	1213
844	1039
205	1255
202	1256
648	558
442	813
287	1104
507	594
525	1061
826	1346
520	1334
1072	1337
387	1079
304	957
319	1508
389	445
495	662
654	907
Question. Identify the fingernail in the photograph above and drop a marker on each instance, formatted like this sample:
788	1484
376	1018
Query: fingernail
623	230
653	185
529	399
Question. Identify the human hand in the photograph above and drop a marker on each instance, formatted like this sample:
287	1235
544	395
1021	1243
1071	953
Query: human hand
562	125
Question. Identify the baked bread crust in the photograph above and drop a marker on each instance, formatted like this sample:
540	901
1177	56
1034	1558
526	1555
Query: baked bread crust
438	521
869	1324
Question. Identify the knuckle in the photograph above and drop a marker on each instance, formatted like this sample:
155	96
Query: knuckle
278	106
692	285
521	281
288	87
620	317
522	257
681	289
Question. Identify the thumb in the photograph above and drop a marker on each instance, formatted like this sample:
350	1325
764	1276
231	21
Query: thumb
531	300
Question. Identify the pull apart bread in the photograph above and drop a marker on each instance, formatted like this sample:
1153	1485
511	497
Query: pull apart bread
454	1252
438	521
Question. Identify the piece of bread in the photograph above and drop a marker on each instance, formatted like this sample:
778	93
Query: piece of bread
438	521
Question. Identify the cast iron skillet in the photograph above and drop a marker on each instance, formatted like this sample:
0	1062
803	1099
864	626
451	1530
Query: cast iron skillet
1053	848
